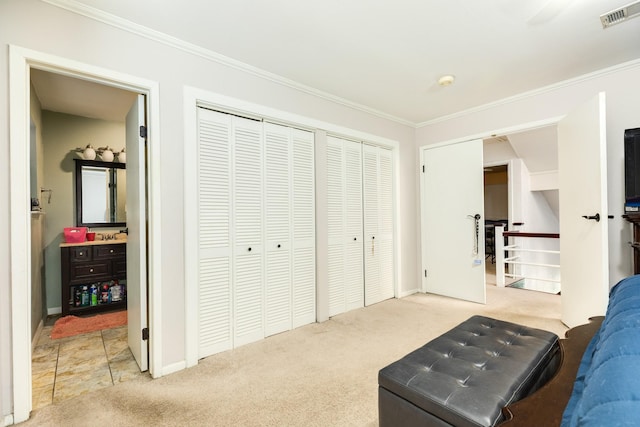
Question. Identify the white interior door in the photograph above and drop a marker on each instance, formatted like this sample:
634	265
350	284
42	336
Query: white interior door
582	174
453	240
137	239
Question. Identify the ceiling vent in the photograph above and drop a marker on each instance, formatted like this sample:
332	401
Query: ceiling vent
621	14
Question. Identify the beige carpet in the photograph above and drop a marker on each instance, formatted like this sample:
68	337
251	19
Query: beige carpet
318	375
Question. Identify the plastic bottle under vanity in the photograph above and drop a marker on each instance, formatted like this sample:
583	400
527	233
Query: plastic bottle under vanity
94	295
77	296
115	292
84	301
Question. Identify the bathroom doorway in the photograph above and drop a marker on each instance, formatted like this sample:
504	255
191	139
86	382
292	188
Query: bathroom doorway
86	124
22	63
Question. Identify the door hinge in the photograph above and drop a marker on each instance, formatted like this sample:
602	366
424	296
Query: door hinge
422	168
145	334
143	132
425	273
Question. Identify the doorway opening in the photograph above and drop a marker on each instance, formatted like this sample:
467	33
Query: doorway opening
528	197
22	63
496	213
78	178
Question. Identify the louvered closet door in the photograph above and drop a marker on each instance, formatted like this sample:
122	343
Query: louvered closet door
378	224
345	257
277	226
304	228
290	285
248	296
214	248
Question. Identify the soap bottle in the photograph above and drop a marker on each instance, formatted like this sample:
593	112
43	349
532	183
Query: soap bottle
85	297
94	295
115	291
104	293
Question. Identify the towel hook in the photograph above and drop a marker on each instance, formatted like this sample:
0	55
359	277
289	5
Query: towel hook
42	190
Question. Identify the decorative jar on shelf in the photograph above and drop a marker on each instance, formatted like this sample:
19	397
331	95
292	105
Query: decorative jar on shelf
89	153
106	154
122	157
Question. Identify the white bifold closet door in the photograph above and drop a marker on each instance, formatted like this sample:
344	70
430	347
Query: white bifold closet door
215	310
378	223
345	232
360	228
256	230
290	228
246	231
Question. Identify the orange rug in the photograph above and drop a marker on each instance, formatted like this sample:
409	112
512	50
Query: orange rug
69	326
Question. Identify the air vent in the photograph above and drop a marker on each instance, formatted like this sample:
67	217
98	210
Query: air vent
621	14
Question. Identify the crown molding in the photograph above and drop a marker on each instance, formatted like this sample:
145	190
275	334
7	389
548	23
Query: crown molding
160	37
536	92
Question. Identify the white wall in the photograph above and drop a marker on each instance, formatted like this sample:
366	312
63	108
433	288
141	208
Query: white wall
496	204
622	86
85	40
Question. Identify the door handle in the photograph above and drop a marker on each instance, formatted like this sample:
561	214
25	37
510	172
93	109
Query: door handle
596	217
476	219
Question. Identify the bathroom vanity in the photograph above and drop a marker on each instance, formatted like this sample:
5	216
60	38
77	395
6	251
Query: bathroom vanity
102	264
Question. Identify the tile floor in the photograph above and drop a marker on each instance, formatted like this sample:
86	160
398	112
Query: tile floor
67	367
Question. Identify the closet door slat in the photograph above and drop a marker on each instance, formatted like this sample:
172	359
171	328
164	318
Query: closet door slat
248	292
214	249
378	214
344	193
277	226
304	228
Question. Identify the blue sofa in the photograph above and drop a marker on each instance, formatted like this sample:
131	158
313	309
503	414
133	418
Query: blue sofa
606	391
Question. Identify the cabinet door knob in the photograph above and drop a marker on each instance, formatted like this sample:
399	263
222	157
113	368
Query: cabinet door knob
80	254
91	270
278	244
355	238
111	251
249	249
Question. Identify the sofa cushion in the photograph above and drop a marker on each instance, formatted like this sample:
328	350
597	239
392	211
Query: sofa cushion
607	386
467	375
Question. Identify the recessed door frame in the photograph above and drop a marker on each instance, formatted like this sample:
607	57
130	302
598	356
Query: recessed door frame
21	61
513	167
194	98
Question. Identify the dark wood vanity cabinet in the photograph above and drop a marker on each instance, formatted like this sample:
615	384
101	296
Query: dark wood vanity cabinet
93	263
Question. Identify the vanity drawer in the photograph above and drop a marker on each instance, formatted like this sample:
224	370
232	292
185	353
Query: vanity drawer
109	251
79	253
90	271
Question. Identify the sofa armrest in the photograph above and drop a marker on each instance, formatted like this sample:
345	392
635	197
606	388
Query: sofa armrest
546	406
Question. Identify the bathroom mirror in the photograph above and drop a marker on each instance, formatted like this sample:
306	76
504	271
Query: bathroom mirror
100	194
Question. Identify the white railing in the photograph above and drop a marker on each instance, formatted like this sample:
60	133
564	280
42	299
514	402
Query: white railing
514	258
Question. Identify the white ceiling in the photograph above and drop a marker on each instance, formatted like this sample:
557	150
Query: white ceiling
69	95
387	55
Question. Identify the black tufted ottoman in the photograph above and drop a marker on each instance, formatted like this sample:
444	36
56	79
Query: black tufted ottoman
467	375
